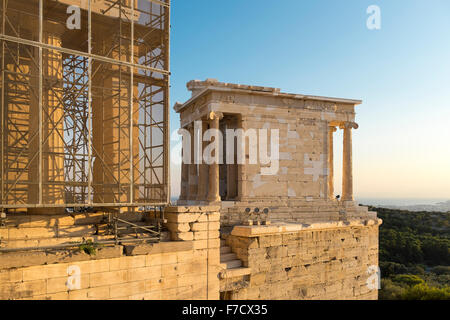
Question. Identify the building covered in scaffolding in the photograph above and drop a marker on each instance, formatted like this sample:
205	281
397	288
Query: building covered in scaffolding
84	104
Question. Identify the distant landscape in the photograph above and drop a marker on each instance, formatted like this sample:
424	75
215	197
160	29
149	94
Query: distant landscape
429	205
414	254
438	207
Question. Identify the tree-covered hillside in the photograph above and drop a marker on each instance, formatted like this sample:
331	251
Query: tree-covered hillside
414	254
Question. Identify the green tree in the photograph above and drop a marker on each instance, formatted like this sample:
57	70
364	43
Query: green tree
424	292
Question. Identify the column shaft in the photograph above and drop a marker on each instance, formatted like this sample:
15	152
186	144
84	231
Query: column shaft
347	174
241	168
232	168
52	139
203	169
193	176
331	131
213	190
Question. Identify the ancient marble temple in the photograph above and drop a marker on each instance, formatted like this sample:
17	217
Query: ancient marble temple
302	189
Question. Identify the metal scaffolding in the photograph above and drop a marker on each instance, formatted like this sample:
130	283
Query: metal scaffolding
84	111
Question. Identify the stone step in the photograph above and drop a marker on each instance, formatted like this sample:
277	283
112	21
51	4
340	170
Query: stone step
231	264
228	257
222	243
225	249
235	272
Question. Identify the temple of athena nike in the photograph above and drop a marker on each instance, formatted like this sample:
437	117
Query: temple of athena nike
302	189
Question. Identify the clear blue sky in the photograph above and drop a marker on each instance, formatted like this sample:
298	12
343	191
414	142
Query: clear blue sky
401	72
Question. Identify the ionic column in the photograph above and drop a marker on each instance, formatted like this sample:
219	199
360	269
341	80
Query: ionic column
193	177
203	169
213	190
184	175
347	169
331	131
232	169
241	168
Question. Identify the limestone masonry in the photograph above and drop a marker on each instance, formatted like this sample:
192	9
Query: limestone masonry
302	190
85	209
235	232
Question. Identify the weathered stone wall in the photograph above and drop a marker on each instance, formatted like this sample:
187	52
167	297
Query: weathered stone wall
299	211
166	270
317	261
287	261
194	223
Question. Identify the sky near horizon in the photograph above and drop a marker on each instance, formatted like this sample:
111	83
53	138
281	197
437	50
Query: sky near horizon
401	72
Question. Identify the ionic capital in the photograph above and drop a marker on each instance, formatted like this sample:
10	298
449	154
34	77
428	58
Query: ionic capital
332	128
349	125
213	115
